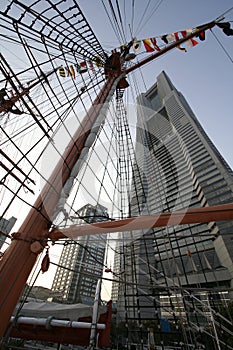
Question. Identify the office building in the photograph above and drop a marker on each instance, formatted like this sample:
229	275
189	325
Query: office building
81	262
178	167
5	227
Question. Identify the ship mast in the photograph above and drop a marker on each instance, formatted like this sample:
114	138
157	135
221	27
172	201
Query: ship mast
31	239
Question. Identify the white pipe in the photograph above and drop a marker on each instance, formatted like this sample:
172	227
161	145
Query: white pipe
93	339
51	322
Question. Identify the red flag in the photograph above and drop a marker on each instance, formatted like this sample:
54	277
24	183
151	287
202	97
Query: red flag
81	67
150	45
153	40
191	42
176	34
68	72
72	71
201	36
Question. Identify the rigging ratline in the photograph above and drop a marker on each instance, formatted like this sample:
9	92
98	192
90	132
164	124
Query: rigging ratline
37	224
73	32
8	105
10	171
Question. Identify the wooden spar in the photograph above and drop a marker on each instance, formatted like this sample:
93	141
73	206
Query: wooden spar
171	46
20	257
8	104
25	91
190	216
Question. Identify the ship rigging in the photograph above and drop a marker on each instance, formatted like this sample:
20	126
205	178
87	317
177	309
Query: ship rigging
69	78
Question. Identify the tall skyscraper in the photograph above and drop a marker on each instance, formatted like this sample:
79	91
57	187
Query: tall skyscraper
177	167
81	262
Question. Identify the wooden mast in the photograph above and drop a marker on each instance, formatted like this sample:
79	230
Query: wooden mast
29	242
19	259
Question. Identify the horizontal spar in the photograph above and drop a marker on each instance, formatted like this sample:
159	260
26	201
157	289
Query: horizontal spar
181	217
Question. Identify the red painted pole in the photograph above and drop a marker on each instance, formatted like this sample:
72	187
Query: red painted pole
181	217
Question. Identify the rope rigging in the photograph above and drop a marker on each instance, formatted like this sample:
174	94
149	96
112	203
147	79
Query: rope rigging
155	266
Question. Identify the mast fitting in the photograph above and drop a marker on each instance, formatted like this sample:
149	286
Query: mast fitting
36	247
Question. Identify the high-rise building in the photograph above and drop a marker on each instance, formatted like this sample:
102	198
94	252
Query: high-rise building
81	262
177	167
5	226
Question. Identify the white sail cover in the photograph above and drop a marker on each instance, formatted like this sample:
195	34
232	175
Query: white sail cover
72	312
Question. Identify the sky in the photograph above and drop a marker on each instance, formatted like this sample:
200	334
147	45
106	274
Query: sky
204	74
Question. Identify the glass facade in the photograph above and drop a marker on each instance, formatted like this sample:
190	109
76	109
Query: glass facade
81	262
5	226
178	167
